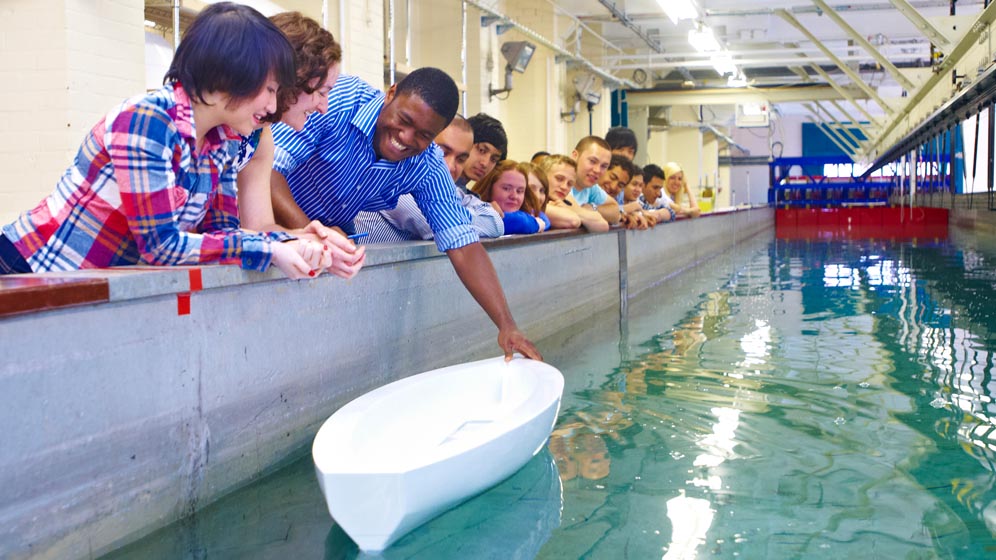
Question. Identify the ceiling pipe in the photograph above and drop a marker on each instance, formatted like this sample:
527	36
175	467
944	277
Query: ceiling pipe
628	24
801	9
922	47
607	77
742	62
176	25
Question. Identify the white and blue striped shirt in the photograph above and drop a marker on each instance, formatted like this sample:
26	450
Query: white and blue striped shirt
334	173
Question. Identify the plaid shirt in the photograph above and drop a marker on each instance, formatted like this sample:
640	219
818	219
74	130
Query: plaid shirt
138	192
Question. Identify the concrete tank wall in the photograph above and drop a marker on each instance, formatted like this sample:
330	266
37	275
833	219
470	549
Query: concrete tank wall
125	415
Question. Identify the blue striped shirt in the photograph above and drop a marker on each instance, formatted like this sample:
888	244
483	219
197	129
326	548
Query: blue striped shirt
334	173
406	222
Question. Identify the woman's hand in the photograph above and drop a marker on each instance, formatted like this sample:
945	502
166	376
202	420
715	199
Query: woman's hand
299	258
346	258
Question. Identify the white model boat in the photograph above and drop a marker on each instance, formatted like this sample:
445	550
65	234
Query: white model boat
401	454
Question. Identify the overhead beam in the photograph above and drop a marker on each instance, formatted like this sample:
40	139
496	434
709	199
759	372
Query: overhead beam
845	129
843	92
831	133
941	72
801	72
869	48
831	125
840	64
857	123
700	60
939	39
826	130
729	96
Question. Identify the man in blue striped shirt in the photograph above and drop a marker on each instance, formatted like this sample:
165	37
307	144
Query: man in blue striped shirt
406	222
367	149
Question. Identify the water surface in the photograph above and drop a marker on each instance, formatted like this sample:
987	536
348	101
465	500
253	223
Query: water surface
790	399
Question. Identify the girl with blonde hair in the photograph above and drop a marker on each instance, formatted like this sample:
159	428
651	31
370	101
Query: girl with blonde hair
677	188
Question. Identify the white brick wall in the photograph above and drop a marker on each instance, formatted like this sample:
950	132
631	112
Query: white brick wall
64	63
363	45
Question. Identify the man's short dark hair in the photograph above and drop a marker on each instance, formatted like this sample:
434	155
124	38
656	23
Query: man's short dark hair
489	129
652	170
623	163
435	87
621	137
231	48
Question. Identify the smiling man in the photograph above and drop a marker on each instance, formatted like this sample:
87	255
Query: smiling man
406	222
366	151
593	156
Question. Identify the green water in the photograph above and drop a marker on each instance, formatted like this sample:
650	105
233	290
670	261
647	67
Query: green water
790	399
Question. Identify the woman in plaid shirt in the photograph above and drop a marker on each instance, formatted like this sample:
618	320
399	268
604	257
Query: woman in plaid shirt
152	181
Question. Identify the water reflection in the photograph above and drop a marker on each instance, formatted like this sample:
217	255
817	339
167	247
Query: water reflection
801	400
508	522
826	400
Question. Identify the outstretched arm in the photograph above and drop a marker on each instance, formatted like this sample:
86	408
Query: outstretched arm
478	275
287	213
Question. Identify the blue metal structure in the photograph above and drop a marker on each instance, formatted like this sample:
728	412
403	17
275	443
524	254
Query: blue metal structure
807	189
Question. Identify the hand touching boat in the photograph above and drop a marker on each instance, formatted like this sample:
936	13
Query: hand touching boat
512	340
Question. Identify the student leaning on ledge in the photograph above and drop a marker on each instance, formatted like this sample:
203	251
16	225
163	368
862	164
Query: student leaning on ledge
366	151
146	188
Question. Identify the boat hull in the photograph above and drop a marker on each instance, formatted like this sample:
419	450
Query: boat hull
402	454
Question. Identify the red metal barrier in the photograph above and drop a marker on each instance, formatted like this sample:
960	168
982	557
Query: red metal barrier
892	222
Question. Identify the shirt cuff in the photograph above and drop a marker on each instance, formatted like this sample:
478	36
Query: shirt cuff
456	237
279	236
256	252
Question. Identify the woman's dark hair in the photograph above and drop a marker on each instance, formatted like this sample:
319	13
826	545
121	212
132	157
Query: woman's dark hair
315	51
231	48
485	187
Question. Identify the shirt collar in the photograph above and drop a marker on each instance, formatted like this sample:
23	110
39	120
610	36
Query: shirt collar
184	121
366	118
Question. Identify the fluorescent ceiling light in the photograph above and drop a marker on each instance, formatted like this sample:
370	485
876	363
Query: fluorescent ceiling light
150	23
723	63
703	39
679	9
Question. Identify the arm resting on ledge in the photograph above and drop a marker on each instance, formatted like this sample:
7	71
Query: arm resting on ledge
478	275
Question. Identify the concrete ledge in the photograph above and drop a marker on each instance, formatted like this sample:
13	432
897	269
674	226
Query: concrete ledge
123	414
983	220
